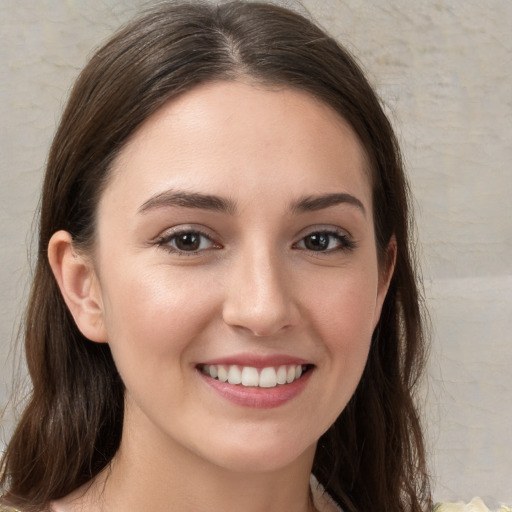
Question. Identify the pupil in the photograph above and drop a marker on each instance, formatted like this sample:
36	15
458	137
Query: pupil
188	242
317	242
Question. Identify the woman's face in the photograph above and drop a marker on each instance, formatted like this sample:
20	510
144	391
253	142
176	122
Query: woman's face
236	241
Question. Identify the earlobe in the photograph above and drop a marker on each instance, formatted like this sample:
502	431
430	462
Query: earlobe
78	285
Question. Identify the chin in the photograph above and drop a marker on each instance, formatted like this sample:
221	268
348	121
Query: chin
251	456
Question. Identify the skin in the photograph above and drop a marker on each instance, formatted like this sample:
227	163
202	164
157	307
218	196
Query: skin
254	287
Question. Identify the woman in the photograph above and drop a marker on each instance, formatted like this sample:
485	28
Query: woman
225	301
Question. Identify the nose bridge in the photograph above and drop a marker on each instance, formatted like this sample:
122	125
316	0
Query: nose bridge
259	297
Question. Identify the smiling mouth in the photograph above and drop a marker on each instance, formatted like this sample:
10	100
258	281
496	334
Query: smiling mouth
248	376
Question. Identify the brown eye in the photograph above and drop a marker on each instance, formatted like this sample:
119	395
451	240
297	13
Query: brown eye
325	241
317	241
187	241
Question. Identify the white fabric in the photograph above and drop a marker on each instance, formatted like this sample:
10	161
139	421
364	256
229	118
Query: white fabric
321	499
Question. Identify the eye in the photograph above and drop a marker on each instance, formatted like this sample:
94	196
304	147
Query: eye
186	241
325	241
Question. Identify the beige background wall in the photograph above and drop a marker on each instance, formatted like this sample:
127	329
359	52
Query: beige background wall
443	68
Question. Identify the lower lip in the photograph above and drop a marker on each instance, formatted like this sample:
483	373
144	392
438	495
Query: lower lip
258	398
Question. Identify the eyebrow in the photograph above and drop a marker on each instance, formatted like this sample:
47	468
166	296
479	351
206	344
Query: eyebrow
184	199
188	200
315	203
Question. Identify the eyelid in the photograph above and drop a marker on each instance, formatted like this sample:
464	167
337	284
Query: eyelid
347	243
323	228
163	240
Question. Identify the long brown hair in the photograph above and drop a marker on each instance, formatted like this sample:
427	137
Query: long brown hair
373	457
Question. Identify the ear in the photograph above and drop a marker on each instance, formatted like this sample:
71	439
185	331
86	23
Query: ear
386	270
79	286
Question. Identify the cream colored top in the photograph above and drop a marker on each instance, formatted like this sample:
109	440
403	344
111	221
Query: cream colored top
322	501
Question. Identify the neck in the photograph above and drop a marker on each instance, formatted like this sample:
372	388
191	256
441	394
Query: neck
203	487
164	476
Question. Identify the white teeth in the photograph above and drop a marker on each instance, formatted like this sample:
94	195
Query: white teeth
268	377
234	375
281	375
249	376
222	374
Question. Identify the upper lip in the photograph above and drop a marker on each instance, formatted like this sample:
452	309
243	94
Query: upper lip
256	361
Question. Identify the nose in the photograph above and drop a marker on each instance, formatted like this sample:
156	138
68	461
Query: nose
259	297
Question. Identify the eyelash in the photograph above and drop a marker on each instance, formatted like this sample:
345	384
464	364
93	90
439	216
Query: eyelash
165	242
343	241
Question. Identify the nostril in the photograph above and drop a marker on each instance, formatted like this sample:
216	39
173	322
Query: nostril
260	323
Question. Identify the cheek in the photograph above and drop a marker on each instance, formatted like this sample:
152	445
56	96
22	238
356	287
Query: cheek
345	306
344	318
155	313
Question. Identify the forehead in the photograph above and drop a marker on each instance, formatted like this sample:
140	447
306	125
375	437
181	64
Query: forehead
242	140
